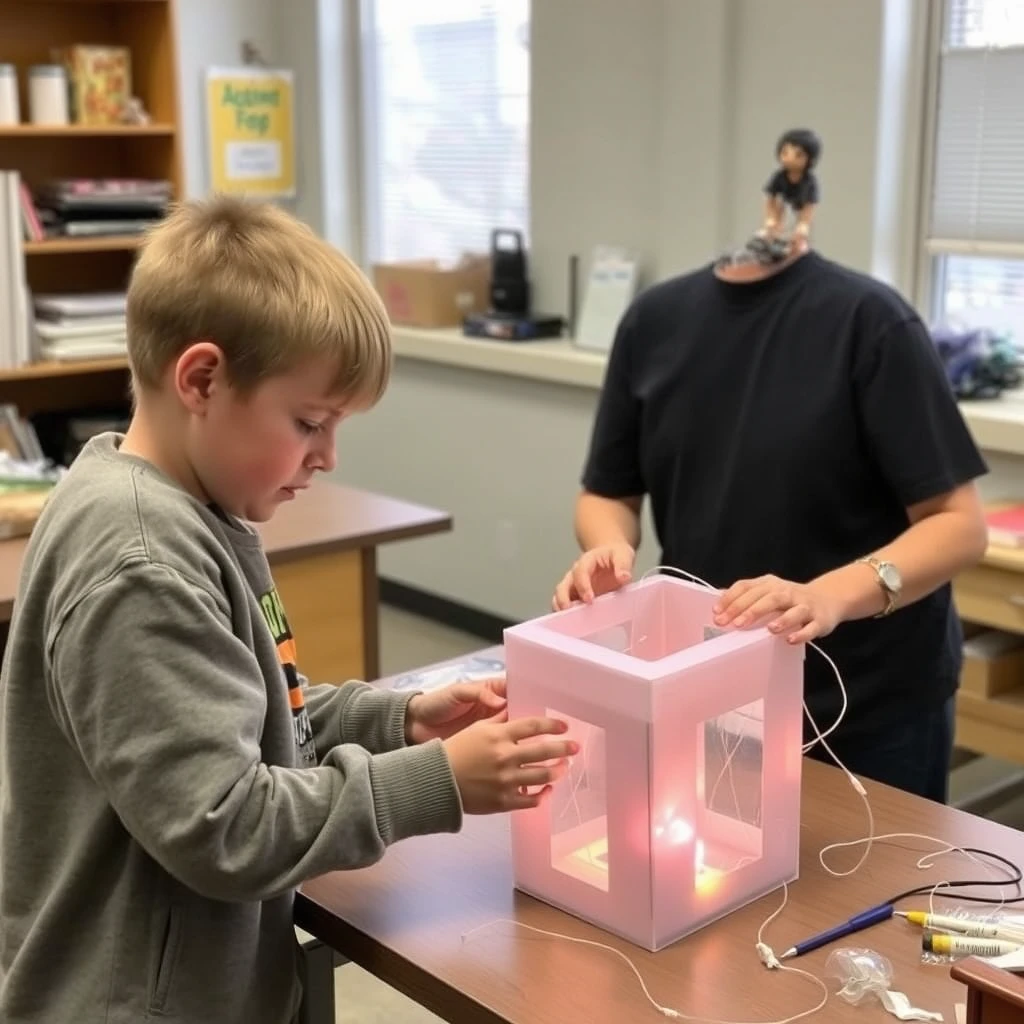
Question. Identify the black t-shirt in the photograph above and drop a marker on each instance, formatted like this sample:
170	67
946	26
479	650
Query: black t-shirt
798	194
784	427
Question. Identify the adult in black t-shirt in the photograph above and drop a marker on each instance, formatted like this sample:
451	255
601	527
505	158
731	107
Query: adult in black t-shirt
784	428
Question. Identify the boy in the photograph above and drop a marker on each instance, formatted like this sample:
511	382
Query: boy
167	777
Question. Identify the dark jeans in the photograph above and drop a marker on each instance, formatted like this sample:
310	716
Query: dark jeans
913	754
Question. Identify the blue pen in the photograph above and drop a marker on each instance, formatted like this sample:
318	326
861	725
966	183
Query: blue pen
865	919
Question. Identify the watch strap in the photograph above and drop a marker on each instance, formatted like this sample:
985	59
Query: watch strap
890	595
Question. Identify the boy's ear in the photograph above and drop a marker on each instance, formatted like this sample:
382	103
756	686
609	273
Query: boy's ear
198	372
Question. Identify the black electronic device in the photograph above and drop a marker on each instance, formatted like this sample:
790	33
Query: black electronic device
509	318
510	283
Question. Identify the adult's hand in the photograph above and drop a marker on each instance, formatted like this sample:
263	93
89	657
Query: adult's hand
597	571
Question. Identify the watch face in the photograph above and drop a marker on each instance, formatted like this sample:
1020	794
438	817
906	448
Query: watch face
890	576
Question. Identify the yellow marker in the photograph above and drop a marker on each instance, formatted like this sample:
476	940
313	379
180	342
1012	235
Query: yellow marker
958	945
975	927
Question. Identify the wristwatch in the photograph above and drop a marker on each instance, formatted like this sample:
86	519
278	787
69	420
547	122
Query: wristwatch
889	579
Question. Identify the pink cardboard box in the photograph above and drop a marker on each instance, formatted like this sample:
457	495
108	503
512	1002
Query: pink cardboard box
684	801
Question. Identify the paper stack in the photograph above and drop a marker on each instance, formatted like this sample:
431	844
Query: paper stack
89	325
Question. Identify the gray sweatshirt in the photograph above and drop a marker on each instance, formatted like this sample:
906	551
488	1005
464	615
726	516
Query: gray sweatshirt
167	778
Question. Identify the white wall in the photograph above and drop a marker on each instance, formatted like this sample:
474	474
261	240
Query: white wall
654	125
210	33
313	39
503	455
815	65
697	173
595	116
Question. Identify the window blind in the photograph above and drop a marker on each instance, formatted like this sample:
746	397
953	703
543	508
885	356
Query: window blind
976	24
978	184
445	125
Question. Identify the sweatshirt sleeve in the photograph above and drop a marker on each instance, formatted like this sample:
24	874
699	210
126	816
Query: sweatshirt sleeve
166	707
356	712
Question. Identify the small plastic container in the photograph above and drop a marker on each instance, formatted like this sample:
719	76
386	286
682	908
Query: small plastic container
48	94
9	109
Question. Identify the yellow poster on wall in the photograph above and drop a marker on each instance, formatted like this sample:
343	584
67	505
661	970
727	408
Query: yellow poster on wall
251	131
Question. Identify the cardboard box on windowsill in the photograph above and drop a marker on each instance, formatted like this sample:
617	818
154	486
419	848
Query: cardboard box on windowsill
424	293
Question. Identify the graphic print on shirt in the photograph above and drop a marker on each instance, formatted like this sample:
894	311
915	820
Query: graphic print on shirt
273	612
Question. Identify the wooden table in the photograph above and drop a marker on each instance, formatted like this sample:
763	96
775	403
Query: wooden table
993	996
404	919
322	548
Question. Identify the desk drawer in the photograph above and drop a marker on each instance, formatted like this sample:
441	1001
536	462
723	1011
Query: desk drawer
991	596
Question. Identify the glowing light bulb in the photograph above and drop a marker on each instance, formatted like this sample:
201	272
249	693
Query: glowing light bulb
679	831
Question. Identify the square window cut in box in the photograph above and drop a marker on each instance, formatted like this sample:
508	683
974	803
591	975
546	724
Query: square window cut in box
684	801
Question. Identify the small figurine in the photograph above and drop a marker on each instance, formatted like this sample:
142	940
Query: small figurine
134	112
794	184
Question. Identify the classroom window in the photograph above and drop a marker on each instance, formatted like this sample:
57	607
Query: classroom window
445	119
976	217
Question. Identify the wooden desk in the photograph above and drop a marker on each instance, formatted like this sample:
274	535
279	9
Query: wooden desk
403	919
993	996
322	548
992	594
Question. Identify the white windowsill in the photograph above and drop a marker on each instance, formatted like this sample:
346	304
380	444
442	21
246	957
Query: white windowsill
558	361
997	425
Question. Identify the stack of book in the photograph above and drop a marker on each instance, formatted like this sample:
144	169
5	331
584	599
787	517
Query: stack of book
90	325
1006	525
97	207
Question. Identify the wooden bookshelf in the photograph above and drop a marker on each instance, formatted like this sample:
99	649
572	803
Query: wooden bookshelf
78	131
99	243
29	30
117	364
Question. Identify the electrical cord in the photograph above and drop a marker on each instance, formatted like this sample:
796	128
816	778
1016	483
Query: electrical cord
1016	878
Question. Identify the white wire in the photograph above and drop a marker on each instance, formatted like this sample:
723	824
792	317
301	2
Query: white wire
666	1011
923	863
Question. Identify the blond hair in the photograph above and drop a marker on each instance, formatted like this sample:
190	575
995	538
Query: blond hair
265	289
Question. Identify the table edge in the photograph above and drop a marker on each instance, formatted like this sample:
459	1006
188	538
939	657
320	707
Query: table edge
441	523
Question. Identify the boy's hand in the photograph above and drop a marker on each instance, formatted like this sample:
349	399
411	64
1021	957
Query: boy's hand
595	572
444	712
498	766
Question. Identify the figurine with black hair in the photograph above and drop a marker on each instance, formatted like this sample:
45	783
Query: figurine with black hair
793	185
